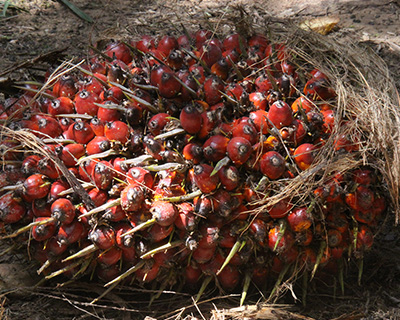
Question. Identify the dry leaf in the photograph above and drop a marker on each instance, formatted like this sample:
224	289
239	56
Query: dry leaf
322	25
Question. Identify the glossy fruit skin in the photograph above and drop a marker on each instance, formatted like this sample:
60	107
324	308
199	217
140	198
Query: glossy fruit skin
304	155
239	150
29	164
44	231
63	210
61	105
168	85
280	209
46	126
103	175
193	152
299	219
229	177
190	118
81	132
214	149
84	102
117	131
157	123
65	86
260	120
273	165
71	153
71	233
103	237
36	186
119	51
97	145
280	114
212	88
164	212
140	176
203	179
11	209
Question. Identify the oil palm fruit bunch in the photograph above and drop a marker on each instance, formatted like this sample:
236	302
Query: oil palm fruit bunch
163	161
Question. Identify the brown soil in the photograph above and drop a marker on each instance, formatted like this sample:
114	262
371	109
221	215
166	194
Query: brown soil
47	25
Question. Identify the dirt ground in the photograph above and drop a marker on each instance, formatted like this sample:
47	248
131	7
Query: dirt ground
31	28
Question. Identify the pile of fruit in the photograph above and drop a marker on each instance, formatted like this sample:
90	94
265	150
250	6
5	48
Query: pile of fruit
165	160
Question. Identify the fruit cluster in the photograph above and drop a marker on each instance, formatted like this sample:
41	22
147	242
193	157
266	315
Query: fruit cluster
156	161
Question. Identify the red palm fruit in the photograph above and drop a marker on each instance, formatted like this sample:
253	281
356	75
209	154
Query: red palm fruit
234	41
44	231
93	84
103	174
47	125
328	121
280	114
119	51
379	206
229	177
133	114
108	273
166	44
157	233
286	240
117	71
193	152
239	150
304	103
319	89
304	155
61	105
41	208
263	84
57	187
203	205
117	131
81	132
260	120
259	231
192	274
97	126
103	237
221	68
29	164
36	186
113	94
175	60
184	41
11	209
210	53
48	167
247	130
197	73
85	102
273	165
362	199
99	197
186	219
127	241
201	36
148	273
71	233
63	211
109	257
202	255
145	43
304	238
365	238
280	209
236	91
203	179
132	198
168	85
108	114
299	219
163	212
214	149
157	123
290	255
86	168
54	248
258	100
229	278
186	77
190	118
97	145
120	167
157	72
155	148
258	41
140	176
71	153
65	86
364	176
212	88
222	203
209	122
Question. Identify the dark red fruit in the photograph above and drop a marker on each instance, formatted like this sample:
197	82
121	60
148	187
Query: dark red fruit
132	198
103	237
239	150
82	132
71	153
85	103
44	231
119	51
65	86
157	123
304	155
190	118
61	105
280	114
273	165
214	149
11	208
299	219
97	145
203	179
71	233
117	131
36	186
103	175
164	212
